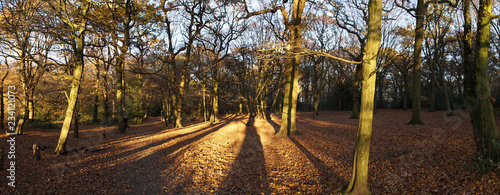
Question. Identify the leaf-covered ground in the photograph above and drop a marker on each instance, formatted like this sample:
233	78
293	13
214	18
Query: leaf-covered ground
231	158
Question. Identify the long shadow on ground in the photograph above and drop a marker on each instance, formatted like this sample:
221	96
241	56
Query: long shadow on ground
248	168
327	175
138	170
153	173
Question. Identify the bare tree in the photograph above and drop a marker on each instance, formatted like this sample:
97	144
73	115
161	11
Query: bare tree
74	17
223	29
27	47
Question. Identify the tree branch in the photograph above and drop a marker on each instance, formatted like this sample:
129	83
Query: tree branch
274	10
320	53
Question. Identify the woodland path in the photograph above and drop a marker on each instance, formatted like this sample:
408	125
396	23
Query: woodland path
231	158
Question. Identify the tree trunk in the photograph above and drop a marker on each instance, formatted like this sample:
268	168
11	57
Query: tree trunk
421	11
316	100
106	99
172	109
355	92
24	112
257	100
240	107
305	95
182	82
433	88
380	94
120	67
215	103
445	92
292	89
73	95
120	94
359	180
2	117
486	134
166	110
405	95
273	105
145	107
31	107
96	97
2	105
205	113
75	123
288	125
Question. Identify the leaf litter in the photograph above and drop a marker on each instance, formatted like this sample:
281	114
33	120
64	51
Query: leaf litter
231	158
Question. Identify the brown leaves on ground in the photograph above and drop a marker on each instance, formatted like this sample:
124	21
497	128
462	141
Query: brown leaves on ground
231	158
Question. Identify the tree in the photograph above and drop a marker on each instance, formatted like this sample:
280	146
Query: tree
293	53
122	13
479	98
359	180
357	28
74	17
126	16
196	10
288	125
420	13
403	64
223	29
322	36
2	80
440	25
16	24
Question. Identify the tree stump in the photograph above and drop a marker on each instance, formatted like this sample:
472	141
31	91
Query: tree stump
36	152
103	134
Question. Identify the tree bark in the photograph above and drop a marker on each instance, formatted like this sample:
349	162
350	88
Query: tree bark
120	64
106	99
75	87
215	102
120	94
205	113
182	83
359	180
355	93
2	103
405	95
23	116
480	101
421	11
432	105
31	107
288	125
2	117
96	97
75	123
449	112
316	100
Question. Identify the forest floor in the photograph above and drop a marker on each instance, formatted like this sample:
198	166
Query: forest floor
231	158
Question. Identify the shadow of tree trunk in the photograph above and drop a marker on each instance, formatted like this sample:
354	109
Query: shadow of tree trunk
249	167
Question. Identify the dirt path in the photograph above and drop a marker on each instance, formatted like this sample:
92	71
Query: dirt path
231	158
